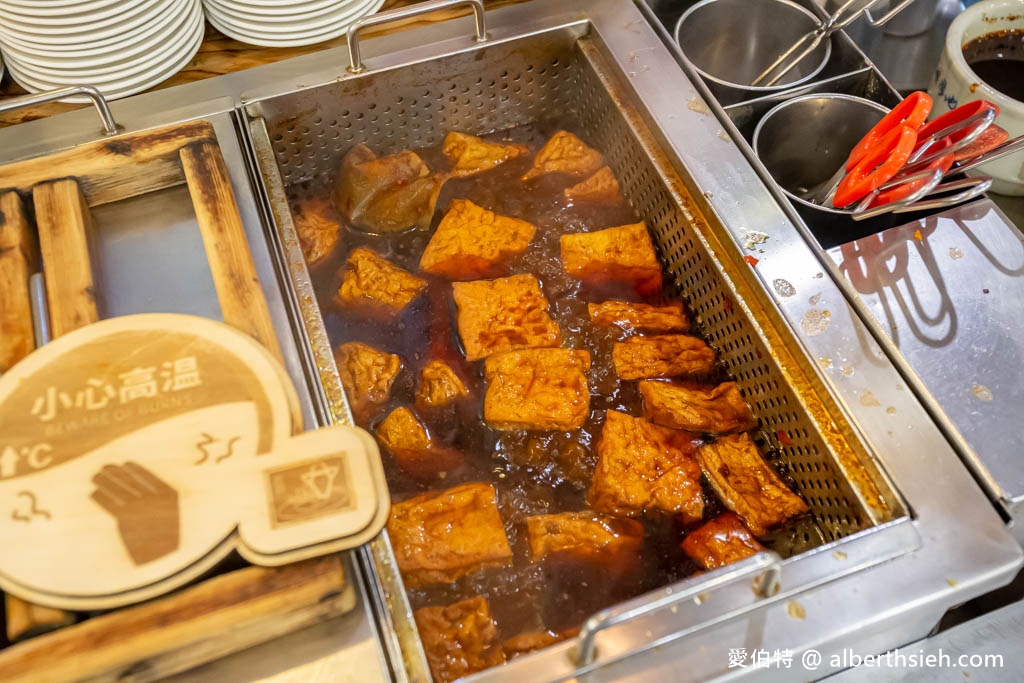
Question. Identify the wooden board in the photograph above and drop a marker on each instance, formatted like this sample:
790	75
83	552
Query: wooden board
227	249
17	263
214	618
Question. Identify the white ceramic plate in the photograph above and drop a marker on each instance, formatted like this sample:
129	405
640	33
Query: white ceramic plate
296	29
302	18
132	45
113	29
266	38
143	59
282	11
125	88
95	46
83	15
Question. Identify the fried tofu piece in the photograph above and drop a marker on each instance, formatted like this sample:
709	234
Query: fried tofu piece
373	284
586	540
600	188
319	228
531	641
721	541
402	433
715	410
503	315
565	153
472	242
471	155
748	485
666	355
442	536
367	375
459	639
639	317
386	194
622	254
537	389
644	468
439	385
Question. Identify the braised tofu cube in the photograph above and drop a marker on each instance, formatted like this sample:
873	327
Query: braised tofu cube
367	375
581	541
318	226
441	536
721	541
716	410
537	389
386	194
639	317
600	188
471	155
439	385
503	315
622	254
472	242
416	453
459	639
644	468
565	153
531	641
748	485
667	355
373	284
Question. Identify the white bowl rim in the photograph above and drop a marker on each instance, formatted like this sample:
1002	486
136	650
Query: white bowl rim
108	31
277	9
954	47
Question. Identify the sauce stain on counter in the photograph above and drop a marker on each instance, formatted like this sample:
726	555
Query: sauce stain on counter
783	287
815	300
698	105
815	322
982	392
868	399
955	254
795	610
825	362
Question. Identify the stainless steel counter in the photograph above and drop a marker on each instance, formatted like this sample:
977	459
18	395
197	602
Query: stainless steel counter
964	548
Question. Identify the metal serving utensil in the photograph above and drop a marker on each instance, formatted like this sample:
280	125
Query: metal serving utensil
847	13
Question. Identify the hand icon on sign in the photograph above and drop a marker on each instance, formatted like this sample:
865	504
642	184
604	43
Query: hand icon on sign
146	510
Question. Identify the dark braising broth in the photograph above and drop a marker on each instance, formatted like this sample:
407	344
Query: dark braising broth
533	472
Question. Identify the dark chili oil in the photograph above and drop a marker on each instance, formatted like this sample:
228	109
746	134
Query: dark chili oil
533	472
998	60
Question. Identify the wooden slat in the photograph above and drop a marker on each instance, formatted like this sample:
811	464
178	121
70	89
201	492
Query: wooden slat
111	169
219	616
227	249
64	223
17	263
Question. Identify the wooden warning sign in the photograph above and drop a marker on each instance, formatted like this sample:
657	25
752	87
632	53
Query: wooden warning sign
137	452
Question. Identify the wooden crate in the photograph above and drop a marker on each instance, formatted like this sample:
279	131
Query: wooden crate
222	614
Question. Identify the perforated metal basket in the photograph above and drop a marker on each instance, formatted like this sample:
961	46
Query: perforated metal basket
562	72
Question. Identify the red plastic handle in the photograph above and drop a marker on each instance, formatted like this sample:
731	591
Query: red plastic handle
895	194
877	166
911	112
990	139
961	113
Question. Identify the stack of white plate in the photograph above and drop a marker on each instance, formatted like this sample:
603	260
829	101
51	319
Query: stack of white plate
286	23
120	46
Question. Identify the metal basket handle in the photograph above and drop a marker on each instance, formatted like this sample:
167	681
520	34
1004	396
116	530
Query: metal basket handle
354	56
765	569
110	126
